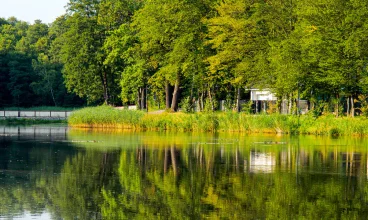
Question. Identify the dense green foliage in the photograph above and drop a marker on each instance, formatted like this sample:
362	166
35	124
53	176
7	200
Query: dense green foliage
108	117
29	73
165	51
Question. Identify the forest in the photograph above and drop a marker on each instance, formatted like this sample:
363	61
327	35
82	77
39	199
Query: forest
172	52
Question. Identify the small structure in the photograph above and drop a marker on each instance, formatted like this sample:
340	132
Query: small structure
129	107
262	95
261	98
132	107
286	106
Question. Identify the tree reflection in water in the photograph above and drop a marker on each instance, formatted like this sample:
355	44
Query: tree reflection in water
136	176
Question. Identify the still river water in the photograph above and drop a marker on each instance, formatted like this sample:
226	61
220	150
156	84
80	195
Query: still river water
61	173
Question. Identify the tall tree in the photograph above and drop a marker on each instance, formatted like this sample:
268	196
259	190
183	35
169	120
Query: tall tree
238	34
121	48
82	53
169	33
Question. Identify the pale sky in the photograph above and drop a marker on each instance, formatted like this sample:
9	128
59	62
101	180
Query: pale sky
30	10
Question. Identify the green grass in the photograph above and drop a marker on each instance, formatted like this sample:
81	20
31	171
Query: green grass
41	108
105	116
108	117
30	121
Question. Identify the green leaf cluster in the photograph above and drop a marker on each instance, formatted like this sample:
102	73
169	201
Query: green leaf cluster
121	51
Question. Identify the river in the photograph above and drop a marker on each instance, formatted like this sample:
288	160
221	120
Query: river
61	173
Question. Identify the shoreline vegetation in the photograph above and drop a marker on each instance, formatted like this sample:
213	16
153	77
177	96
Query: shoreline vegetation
108	117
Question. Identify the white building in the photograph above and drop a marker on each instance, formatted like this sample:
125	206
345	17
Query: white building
262	95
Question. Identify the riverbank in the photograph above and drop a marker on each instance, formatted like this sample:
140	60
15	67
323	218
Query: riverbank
108	117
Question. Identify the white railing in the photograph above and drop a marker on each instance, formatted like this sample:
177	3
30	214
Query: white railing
34	114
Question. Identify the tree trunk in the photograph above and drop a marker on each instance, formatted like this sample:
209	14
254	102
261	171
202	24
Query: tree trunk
337	105
105	88
50	85
143	99
296	106
348	106
201	102
168	94
279	105
174	103
238	100
352	106
52	95
290	104
210	97
191	89
139	98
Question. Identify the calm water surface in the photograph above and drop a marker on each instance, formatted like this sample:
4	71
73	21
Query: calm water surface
59	173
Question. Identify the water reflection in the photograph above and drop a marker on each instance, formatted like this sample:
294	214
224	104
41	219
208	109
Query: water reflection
96	175
262	162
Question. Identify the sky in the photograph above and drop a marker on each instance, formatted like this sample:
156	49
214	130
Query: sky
31	10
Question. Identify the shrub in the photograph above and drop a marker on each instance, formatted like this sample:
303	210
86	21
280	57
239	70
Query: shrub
210	106
363	105
186	105
247	107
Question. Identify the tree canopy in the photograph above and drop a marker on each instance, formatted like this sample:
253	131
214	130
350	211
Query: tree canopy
165	52
29	73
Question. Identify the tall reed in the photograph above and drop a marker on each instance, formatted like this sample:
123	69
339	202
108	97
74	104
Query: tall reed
108	117
105	116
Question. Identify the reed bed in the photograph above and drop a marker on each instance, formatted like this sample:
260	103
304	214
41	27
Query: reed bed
105	117
108	117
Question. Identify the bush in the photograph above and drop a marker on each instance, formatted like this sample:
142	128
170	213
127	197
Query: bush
363	105
186	105
247	107
210	106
